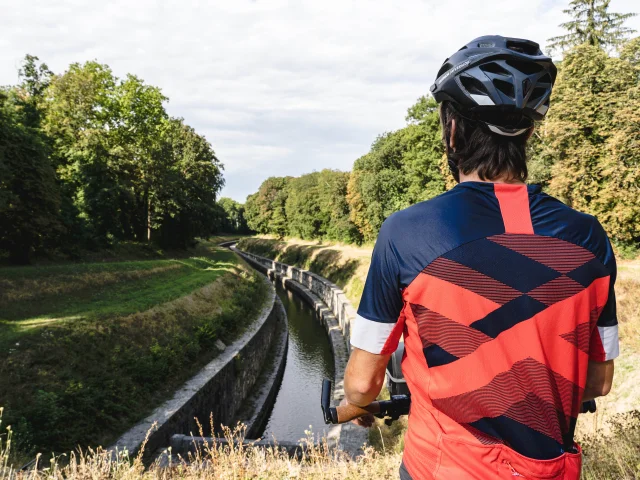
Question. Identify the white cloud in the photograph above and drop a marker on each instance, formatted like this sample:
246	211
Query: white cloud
278	87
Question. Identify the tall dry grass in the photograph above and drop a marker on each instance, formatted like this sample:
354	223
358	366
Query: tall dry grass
231	460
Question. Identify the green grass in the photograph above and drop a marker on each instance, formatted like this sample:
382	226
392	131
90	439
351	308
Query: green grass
88	349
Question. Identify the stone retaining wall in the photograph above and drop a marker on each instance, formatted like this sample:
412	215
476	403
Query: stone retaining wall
336	313
219	388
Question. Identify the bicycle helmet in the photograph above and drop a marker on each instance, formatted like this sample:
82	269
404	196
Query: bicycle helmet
502	83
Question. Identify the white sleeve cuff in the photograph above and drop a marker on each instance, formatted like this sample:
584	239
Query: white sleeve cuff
610	341
369	335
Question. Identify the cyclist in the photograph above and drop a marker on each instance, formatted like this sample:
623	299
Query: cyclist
504	295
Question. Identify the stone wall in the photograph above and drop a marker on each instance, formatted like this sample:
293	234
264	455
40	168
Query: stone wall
330	294
219	388
336	314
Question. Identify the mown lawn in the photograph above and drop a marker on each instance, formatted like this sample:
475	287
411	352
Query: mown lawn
88	349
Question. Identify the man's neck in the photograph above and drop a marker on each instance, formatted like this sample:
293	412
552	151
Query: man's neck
473	177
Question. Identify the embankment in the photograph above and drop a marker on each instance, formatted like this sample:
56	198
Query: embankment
218	390
87	350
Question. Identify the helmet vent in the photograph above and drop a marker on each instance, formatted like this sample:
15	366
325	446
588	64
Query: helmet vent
473	85
528	48
545	79
504	87
443	69
536	95
494	68
528	68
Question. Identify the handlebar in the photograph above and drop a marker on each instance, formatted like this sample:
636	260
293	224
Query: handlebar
390	410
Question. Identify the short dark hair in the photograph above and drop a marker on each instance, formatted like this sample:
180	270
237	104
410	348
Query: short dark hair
480	150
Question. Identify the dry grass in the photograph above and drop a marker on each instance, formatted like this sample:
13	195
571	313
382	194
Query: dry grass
232	460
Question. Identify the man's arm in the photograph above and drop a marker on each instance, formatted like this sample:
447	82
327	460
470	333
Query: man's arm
599	379
364	376
363	379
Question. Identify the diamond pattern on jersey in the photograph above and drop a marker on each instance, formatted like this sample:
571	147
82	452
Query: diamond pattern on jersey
558	254
510	394
452	337
523	275
471	279
504	265
580	337
556	290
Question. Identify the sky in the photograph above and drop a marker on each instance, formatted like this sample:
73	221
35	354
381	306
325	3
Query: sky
278	87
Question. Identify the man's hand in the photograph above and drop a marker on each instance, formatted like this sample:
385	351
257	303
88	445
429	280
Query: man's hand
365	421
599	379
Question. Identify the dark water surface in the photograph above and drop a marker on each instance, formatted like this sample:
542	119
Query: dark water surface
309	360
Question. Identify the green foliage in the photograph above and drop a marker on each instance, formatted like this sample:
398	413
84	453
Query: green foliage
592	24
122	169
586	151
402	168
316	207
233	216
312	206
265	209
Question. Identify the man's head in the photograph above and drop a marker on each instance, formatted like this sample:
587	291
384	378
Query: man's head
491	91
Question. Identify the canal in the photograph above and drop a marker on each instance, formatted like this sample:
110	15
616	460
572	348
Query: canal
309	360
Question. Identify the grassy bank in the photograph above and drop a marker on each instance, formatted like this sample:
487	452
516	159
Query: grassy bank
88	349
344	265
611	437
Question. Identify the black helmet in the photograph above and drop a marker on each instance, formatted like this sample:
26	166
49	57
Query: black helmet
493	76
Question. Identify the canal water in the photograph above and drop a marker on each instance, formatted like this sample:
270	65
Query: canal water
309	360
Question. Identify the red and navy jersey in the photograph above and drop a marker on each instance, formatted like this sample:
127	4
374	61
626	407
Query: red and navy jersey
503	295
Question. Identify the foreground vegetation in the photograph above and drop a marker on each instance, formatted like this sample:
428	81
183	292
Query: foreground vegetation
234	461
88	349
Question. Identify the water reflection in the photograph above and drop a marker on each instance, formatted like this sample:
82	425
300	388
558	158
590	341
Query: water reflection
309	360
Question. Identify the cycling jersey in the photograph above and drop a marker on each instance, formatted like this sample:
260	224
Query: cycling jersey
503	295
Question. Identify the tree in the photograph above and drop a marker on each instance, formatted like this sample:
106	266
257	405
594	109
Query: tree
140	125
589	140
593	24
78	119
265	209
403	167
187	177
303	209
234	220
334	208
35	80
29	195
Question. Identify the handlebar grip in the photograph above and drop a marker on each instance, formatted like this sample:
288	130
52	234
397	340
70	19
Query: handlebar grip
346	413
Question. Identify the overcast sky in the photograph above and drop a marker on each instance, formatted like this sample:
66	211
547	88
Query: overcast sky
278	87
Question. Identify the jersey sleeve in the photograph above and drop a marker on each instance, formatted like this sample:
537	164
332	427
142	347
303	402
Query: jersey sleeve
604	343
378	326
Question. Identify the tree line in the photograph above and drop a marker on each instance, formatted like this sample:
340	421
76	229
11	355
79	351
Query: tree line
88	159
586	152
